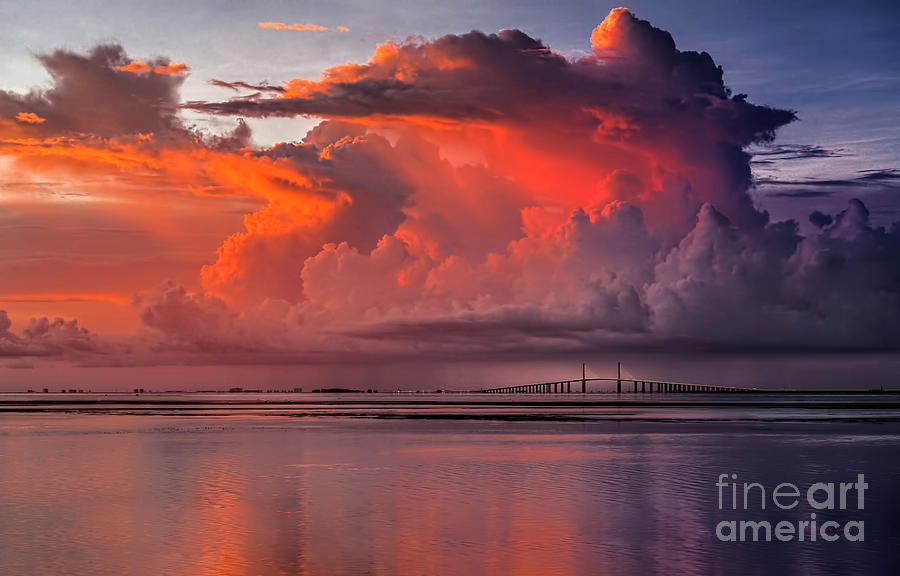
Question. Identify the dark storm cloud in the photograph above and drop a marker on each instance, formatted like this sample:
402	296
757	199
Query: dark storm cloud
820	220
510	76
97	94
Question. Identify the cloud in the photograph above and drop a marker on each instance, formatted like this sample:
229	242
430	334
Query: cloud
867	178
246	86
139	67
341	28
475	193
30	118
195	322
820	220
794	152
818	193
43	337
299	27
94	94
471	77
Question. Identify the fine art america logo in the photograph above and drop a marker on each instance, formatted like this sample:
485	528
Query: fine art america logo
754	497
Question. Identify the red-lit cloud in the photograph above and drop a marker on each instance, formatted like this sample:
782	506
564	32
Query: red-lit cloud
298	27
470	194
30	118
138	67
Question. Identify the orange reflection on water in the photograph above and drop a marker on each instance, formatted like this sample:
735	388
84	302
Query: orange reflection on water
264	495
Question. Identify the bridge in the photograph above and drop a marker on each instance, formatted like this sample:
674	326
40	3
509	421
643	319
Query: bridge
636	385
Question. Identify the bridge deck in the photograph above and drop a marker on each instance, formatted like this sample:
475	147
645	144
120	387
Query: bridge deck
638	386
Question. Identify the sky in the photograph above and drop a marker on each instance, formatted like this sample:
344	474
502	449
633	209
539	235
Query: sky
407	192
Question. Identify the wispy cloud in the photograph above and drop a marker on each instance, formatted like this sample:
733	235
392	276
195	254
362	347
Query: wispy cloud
29	118
794	152
299	27
139	67
247	86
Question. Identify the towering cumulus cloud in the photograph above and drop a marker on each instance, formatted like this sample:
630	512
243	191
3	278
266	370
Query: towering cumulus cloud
474	193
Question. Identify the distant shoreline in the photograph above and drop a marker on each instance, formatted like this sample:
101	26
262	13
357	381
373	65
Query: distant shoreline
807	399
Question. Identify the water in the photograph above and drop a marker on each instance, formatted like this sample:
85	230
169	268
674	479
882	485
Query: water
337	487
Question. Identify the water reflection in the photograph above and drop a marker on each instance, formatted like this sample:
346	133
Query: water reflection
261	495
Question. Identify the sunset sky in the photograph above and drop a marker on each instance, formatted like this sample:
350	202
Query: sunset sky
207	193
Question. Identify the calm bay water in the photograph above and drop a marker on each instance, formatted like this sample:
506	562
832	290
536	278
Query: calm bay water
398	488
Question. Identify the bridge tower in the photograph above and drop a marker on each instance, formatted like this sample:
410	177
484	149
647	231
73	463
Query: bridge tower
618	377
583	380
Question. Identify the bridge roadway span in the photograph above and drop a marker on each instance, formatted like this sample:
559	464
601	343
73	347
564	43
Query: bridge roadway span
637	387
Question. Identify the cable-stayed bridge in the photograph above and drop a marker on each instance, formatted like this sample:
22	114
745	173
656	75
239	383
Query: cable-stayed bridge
626	384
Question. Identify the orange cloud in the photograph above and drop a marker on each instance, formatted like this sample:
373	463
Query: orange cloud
479	188
299	27
342	29
30	118
139	67
611	31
